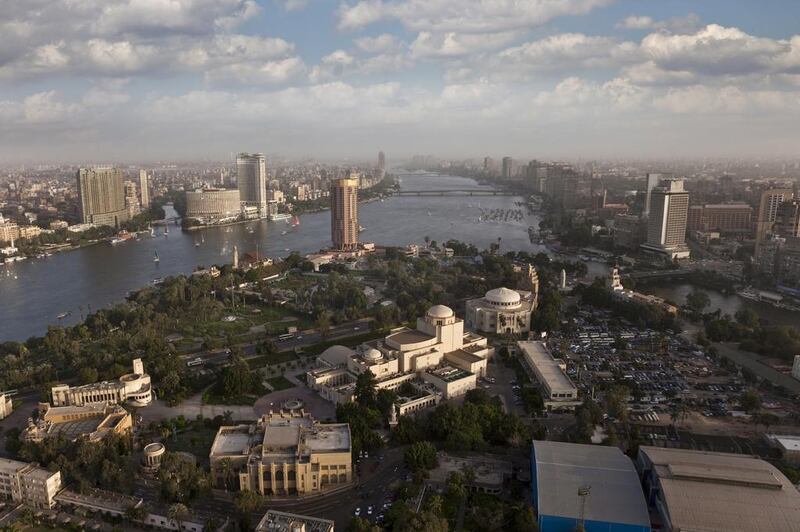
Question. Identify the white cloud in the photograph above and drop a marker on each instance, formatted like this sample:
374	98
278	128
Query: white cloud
452	44
464	16
570	51
293	5
687	24
383	43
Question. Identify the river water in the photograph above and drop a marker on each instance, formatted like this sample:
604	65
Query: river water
34	292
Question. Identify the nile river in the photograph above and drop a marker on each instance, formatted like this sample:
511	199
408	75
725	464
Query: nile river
34	292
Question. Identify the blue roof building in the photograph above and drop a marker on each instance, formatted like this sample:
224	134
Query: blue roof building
561	471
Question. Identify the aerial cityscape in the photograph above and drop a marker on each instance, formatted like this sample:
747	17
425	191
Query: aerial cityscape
402	265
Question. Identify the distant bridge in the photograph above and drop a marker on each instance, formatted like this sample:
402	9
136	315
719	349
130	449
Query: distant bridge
455	192
668	274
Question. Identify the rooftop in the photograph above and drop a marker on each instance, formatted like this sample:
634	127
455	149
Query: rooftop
409	336
275	521
722	491
232	440
449	373
537	354
464	355
615	495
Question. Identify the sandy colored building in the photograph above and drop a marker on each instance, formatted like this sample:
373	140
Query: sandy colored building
275	521
503	310
426	358
6	406
213	205
283	453
94	421
558	391
101	196
344	214
133	388
28	483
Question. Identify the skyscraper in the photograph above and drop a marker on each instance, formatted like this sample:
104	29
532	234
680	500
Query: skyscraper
131	200
252	176
507	167
787	219
768	210
666	225
652	182
101	196
344	214
381	161
144	189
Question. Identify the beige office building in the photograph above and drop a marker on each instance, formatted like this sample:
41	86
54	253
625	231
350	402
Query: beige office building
666	225
252	178
344	214
101	196
213	205
28	484
768	209
283	453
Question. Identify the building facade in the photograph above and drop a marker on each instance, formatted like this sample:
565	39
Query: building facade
93	422
283	453
101	196
133	388
144	189
275	521
213	205
6	405
768	210
504	311
726	218
252	178
508	167
666	225
28	483
344	214
558	391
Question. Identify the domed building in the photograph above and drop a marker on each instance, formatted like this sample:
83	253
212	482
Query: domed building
504	311
438	357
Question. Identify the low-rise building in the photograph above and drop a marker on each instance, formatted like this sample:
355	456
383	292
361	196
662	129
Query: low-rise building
94	421
6	405
614	284
133	388
558	391
283	453
701	490
482	473
788	445
592	485
437	359
503	310
28	483
275	521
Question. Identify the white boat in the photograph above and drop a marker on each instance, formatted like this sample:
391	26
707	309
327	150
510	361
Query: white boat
63	315
155	257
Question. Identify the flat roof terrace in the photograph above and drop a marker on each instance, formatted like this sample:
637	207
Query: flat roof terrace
327	438
232	441
450	374
409	336
541	360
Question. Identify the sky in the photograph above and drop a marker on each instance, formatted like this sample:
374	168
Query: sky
167	80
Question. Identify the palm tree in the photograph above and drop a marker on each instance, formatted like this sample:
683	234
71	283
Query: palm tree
178	512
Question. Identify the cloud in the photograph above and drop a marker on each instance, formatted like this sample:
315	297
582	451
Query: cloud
293	5
382	43
452	44
569	51
687	24
470	16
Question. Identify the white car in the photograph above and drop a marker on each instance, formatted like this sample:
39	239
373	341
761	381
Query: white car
357	512
369	510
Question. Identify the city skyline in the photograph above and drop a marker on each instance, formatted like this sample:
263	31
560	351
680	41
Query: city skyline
552	78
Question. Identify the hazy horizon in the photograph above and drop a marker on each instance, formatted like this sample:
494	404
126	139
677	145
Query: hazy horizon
155	80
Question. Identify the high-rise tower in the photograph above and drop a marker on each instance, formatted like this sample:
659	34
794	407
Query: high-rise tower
252	176
101	196
344	214
144	189
666	225
381	161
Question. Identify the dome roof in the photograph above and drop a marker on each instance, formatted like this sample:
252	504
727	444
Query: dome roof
372	354
503	295
440	311
337	354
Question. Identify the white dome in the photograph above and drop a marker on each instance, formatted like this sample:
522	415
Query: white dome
372	354
440	311
337	354
503	296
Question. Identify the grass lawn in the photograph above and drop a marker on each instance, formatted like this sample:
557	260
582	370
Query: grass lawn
196	439
271	359
280	383
244	399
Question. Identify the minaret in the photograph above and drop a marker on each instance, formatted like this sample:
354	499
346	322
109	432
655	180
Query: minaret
235	257
563	278
393	416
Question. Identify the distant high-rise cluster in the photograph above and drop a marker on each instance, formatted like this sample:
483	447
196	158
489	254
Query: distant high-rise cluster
666	226
252	176
101	196
344	214
381	161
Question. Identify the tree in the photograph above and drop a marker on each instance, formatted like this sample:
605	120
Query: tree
178	512
358	524
324	324
747	317
750	401
421	456
697	300
135	513
364	391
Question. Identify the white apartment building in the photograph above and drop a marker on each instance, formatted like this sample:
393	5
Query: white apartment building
133	388
28	483
6	406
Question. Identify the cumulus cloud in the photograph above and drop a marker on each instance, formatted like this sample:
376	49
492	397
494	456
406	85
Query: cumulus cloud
465	15
382	43
452	44
687	24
